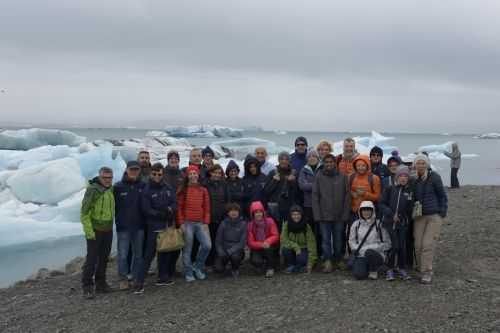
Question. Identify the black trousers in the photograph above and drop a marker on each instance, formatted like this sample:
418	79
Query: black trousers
315	227
371	262
235	259
96	261
398	255
265	258
454	178
212	228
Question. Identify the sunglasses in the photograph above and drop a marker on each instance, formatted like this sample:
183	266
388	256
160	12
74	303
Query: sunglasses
300	144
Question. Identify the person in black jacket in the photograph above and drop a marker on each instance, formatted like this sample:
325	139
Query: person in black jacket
281	189
129	222
158	205
219	197
396	205
230	241
253	184
172	175
378	167
431	196
234	183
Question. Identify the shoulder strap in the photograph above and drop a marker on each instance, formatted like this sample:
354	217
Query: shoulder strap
366	236
379	231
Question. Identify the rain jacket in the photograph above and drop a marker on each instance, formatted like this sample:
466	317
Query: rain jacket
363	181
98	209
272	234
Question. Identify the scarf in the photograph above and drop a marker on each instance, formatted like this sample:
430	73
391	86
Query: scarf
260	230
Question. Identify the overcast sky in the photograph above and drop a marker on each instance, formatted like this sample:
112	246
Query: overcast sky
311	65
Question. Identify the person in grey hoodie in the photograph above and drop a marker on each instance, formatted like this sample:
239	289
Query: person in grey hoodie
455	161
331	205
230	241
306	181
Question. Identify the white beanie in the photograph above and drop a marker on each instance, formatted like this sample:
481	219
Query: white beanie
422	157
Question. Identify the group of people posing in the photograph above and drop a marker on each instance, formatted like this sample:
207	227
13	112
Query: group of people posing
312	211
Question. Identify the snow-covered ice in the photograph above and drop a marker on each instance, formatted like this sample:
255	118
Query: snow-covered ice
203	131
488	136
25	139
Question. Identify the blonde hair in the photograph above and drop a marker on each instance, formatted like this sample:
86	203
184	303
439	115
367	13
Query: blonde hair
324	143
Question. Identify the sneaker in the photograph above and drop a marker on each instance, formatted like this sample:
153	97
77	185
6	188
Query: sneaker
290	269
341	265
426	278
130	277
199	274
161	283
327	267
403	275
270	273
124	285
390	276
235	274
139	290
300	269
189	277
373	275
103	289
88	293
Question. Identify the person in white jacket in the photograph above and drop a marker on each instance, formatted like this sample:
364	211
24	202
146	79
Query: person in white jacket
369	255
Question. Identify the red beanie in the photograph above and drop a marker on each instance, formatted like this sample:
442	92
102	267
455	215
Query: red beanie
192	168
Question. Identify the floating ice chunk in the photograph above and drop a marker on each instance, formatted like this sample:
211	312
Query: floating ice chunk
25	139
203	131
156	134
488	136
436	148
239	148
101	156
48	182
280	132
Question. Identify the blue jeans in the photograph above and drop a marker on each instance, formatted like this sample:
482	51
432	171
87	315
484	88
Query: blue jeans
292	259
202	234
333	231
129	240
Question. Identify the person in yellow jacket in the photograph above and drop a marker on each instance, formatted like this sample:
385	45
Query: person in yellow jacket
97	215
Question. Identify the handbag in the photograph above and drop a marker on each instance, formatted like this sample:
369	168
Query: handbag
170	239
417	210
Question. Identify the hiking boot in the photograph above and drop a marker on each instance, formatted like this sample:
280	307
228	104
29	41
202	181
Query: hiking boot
124	285
103	288
88	293
290	269
426	278
139	290
199	274
373	275
403	275
341	265
269	273
327	267
189	277
162	283
235	274
390	276
300	269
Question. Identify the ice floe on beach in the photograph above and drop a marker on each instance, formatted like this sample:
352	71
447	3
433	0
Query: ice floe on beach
25	139
488	136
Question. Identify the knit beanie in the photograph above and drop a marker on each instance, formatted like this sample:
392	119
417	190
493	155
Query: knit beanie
207	150
403	171
422	157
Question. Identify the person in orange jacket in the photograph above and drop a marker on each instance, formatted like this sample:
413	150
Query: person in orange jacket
365	186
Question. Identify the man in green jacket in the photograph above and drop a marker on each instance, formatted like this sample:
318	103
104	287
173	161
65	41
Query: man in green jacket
97	214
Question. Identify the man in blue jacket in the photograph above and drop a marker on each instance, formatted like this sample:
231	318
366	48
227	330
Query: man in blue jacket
299	158
158	205
129	221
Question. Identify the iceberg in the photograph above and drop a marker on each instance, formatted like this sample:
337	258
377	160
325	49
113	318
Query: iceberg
25	139
203	131
440	148
92	161
47	183
239	148
13	160
488	136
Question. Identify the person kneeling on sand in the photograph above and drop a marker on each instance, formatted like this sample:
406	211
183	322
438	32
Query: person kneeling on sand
230	241
369	243
298	243
263	239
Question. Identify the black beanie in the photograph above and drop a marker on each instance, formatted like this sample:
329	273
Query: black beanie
207	150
